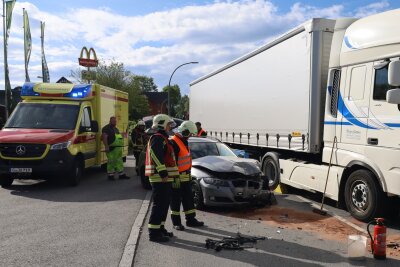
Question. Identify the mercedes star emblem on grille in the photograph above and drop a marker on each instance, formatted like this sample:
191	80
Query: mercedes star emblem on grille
20	150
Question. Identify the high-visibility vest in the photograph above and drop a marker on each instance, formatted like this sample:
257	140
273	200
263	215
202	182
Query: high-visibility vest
201	132
153	167
184	156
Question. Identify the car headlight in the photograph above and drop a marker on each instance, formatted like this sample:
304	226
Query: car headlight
60	146
216	182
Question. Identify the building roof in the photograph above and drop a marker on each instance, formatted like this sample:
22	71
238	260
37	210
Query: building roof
156	96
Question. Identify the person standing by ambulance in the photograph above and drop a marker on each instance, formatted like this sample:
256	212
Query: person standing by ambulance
114	145
182	186
161	169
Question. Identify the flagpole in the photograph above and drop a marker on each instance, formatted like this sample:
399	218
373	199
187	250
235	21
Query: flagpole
23	26
5	61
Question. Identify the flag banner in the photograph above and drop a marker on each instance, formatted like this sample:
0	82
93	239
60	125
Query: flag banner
45	69
27	44
9	6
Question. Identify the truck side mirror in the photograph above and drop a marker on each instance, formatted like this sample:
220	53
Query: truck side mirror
394	73
95	126
393	96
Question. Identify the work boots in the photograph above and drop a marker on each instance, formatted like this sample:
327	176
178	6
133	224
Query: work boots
179	227
194	223
165	232
156	235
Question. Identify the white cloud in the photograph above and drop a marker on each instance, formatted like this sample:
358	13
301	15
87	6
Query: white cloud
372	9
154	44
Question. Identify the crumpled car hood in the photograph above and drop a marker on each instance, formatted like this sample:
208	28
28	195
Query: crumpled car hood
227	164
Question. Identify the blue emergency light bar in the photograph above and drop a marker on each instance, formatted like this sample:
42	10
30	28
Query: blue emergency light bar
77	91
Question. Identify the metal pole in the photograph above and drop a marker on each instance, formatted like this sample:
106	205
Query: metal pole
169	83
5	60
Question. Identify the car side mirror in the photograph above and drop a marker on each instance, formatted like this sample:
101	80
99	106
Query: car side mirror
394	73
95	126
393	96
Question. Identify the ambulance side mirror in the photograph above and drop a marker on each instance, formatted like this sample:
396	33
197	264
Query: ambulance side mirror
95	126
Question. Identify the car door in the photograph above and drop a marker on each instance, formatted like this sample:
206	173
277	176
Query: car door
86	137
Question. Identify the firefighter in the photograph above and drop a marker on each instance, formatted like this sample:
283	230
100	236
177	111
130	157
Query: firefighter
162	170
114	145
139	139
200	131
182	187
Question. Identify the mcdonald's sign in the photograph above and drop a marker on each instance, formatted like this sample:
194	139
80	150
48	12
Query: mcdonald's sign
86	59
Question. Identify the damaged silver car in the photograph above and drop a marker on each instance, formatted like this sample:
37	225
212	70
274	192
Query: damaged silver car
220	178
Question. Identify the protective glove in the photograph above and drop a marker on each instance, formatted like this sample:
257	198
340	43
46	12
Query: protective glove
176	184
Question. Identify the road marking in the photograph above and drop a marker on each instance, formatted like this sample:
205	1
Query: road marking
340	218
131	244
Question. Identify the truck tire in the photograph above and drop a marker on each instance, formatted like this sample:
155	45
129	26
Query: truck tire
363	195
197	195
6	181
75	175
271	169
144	180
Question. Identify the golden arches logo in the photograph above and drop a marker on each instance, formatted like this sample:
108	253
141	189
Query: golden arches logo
88	61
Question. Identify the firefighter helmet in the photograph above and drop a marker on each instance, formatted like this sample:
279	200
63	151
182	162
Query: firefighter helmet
187	128
161	121
140	123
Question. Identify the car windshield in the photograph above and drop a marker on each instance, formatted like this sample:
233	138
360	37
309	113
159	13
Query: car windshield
44	116
202	149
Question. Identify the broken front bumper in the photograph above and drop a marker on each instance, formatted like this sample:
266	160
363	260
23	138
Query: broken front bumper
234	192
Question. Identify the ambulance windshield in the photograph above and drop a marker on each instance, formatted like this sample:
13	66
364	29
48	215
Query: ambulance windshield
44	116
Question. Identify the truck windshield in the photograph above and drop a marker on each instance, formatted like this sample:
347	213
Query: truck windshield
44	116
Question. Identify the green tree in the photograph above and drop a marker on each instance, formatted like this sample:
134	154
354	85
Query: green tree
183	108
144	83
174	98
115	75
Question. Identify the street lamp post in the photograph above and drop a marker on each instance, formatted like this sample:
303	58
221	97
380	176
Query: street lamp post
169	83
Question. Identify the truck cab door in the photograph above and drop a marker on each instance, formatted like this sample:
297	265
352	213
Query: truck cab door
384	118
354	104
87	137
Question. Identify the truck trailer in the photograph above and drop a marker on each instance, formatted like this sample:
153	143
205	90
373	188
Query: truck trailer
54	131
326	92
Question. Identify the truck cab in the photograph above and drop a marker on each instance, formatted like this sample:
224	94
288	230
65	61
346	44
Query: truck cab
54	131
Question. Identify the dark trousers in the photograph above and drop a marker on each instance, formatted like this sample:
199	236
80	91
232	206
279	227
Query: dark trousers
159	208
182	195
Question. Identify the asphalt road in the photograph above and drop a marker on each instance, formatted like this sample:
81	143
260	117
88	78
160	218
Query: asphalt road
50	224
283	246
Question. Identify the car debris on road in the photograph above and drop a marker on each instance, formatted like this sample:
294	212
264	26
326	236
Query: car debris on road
232	243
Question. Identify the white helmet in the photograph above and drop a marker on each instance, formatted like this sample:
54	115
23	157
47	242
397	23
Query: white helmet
161	121
187	128
140	123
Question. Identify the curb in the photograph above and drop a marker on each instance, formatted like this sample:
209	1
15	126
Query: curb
132	243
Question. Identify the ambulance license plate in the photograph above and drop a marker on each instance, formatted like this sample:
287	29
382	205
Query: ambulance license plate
21	170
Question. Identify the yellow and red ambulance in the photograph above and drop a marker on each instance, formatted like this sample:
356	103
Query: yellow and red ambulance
55	132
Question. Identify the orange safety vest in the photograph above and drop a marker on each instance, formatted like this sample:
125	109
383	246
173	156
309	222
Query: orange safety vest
169	162
201	132
184	156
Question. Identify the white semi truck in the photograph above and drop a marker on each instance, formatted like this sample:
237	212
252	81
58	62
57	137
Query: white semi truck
290	100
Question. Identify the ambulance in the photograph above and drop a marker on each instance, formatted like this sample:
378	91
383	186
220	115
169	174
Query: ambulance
55	132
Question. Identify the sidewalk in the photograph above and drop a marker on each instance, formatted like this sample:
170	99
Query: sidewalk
286	244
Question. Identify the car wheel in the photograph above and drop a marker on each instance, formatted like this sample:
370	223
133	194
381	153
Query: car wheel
6	181
271	170
75	175
197	195
144	180
363	195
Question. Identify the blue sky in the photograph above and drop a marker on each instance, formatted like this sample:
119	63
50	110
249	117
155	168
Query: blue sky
153	37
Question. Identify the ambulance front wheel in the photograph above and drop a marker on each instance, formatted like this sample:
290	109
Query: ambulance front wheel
75	175
6	181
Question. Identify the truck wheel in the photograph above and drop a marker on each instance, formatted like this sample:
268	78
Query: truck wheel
363	195
144	180
74	177
6	181
197	195
271	170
